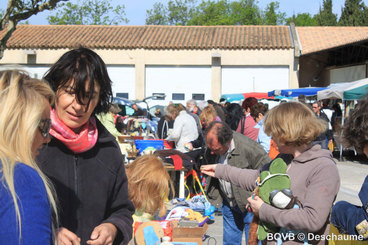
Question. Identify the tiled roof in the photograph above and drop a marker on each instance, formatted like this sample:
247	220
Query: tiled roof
314	39
150	37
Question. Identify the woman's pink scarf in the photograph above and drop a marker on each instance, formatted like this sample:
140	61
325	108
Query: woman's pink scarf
78	143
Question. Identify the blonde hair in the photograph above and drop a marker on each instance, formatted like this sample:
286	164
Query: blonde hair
22	103
293	123
149	184
207	115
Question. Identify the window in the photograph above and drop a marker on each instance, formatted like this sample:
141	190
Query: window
123	95
159	96
178	96
198	96
31	58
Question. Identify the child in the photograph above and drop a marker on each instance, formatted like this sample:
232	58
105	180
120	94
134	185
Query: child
149	186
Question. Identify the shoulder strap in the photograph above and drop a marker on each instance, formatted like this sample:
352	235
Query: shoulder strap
242	123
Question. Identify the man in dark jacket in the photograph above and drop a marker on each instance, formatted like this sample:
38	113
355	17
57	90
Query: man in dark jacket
228	147
326	137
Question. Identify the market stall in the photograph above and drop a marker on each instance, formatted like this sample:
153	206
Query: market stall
348	91
308	91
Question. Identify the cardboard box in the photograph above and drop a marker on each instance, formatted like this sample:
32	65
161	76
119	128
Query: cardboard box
188	234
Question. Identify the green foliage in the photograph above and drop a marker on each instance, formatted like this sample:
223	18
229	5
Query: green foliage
177	12
207	12
180	11
354	13
157	15
212	13
18	11
325	16
90	12
271	17
246	12
302	19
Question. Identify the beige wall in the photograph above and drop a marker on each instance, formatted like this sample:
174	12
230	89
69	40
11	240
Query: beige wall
140	58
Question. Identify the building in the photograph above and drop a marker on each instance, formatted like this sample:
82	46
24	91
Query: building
182	62
200	62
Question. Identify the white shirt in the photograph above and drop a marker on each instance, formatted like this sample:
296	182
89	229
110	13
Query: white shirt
184	131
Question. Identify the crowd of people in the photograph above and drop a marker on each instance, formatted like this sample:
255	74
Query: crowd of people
64	180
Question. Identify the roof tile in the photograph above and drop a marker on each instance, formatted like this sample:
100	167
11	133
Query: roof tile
314	39
150	37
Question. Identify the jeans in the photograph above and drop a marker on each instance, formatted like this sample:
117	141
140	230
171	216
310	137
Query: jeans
235	222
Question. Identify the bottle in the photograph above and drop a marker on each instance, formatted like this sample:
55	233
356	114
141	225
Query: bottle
166	240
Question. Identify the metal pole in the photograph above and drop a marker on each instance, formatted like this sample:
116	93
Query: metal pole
342	124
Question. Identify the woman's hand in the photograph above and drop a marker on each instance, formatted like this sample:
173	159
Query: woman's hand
66	237
103	234
209	169
255	203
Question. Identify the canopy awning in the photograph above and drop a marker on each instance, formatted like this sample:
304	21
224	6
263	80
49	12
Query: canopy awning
308	91
243	96
348	91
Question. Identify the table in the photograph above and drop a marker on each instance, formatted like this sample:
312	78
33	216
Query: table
181	180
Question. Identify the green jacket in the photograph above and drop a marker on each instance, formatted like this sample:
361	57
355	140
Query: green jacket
109	122
246	154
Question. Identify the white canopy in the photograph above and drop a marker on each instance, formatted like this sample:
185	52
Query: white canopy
336	90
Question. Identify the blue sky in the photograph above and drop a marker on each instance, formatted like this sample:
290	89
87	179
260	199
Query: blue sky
136	9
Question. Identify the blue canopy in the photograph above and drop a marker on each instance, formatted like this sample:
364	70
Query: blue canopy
308	91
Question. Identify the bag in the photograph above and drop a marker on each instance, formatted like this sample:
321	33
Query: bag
242	123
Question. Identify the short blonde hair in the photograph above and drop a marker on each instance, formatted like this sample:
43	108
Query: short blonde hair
293	123
149	184
208	115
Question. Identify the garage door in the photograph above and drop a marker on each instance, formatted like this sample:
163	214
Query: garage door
34	71
123	81
123	77
179	83
254	79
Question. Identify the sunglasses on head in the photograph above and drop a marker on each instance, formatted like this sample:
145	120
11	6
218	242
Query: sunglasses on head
44	127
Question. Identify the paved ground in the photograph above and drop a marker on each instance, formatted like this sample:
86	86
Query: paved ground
352	174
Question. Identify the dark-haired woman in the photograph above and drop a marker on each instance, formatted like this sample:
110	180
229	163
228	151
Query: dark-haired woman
83	159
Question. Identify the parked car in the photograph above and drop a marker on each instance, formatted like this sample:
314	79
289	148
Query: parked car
148	121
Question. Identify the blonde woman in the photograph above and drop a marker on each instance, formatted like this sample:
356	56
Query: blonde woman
313	173
149	186
208	115
26	200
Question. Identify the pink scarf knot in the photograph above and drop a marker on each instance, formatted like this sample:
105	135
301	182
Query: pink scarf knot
78	143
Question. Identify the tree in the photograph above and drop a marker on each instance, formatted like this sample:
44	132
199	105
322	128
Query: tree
246	12
90	12
302	19
177	12
157	15
271	17
17	11
212	13
180	12
208	12
325	16
354	13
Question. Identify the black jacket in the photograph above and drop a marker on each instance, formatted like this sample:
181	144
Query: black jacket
91	187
